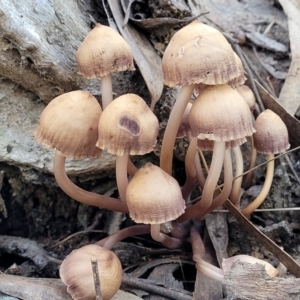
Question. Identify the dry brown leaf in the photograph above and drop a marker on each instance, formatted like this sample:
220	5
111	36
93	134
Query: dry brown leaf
290	93
145	56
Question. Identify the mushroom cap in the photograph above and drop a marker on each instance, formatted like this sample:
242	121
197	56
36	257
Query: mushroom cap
241	78
127	126
77	274
69	124
220	113
271	135
208	145
103	52
248	95
198	53
153	196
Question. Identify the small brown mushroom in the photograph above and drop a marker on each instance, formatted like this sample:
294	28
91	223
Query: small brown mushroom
154	197
197	53
103	52
77	274
271	137
69	124
127	127
220	114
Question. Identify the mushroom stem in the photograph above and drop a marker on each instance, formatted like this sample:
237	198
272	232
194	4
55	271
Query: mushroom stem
193	170
210	184
106	90
121	175
110	241
131	168
237	182
201	265
79	194
167	241
248	181
168	141
265	189
228	178
191	175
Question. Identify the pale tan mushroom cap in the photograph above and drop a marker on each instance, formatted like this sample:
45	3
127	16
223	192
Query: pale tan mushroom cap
76	272
271	135
198	53
153	196
103	52
220	113
248	95
69	123
127	126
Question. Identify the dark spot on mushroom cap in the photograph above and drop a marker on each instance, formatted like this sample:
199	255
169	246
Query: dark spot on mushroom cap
130	125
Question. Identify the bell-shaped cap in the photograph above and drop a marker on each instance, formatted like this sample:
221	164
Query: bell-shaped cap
153	196
271	135
198	53
77	274
248	95
69	123
127	126
220	113
103	52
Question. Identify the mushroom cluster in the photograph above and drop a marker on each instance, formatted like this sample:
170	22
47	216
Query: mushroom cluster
200	60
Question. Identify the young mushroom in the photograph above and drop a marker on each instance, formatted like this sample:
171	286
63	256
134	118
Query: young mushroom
103	52
271	137
154	197
196	54
127	127
77	274
69	124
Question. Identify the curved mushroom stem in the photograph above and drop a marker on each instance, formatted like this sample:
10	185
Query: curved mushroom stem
106	90
79	194
110	241
121	175
191	175
248	181
167	241
168	142
210	184
228	178
265	189
237	183
198	252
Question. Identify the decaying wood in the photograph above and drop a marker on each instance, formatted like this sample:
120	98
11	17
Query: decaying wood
251	282
43	288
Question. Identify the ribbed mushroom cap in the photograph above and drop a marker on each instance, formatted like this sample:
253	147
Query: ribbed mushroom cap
103	52
153	196
198	53
127	126
271	135
220	113
77	274
248	95
241	78
69	123
208	145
